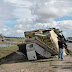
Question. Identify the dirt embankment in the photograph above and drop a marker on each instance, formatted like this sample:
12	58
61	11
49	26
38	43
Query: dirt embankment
19	63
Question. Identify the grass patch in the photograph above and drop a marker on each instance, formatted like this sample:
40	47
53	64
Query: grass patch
9	48
71	53
15	39
12	41
4	51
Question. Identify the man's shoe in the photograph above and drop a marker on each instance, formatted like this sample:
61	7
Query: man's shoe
62	60
58	58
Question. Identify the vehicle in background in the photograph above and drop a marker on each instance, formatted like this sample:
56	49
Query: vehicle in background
69	39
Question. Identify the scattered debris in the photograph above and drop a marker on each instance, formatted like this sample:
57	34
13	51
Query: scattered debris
42	42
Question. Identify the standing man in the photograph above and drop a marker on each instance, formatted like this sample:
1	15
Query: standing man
61	45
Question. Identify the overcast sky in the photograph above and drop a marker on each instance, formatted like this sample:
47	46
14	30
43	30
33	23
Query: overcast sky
17	16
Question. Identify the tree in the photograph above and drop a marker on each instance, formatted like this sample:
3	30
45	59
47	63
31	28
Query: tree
1	35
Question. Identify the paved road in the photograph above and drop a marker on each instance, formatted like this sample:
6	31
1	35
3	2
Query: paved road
69	46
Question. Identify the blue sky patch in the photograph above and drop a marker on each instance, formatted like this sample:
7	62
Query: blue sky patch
64	18
11	22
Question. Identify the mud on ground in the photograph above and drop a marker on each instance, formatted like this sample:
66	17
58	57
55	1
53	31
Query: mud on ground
19	63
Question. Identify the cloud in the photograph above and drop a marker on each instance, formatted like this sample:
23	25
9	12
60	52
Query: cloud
47	11
6	10
42	10
28	25
22	8
4	29
24	20
20	3
34	14
64	25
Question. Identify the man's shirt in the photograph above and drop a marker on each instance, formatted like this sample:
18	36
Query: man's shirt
60	43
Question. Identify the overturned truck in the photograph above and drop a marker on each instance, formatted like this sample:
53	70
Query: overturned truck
41	43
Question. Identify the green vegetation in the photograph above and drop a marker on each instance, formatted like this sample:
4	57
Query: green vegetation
47	32
12	40
46	40
1	35
71	53
4	51
8	48
15	39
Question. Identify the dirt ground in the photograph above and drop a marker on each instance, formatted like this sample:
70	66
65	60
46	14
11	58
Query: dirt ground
63	66
19	63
